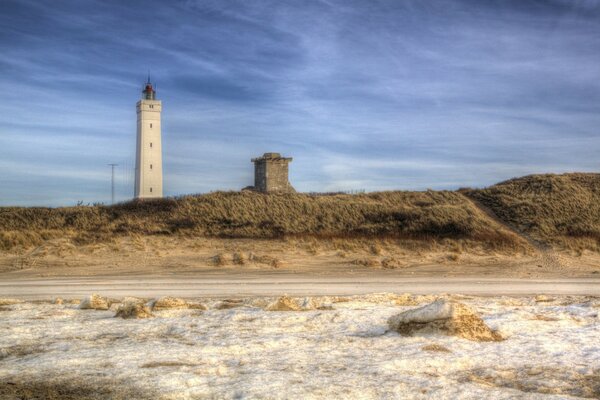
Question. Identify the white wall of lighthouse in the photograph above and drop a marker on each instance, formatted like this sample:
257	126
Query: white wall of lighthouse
148	168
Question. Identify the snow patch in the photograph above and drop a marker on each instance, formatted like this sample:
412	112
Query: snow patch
347	352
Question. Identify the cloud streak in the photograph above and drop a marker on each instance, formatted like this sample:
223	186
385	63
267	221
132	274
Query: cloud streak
364	95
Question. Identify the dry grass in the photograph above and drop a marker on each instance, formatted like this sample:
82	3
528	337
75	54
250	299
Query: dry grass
9	302
132	310
95	302
553	209
421	216
437	348
73	389
221	260
375	249
266	260
391	263
367	262
535	379
161	364
374	262
453	257
546	318
229	304
284	303
240	258
169	303
20	350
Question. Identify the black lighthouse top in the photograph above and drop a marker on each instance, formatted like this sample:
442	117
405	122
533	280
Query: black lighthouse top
148	93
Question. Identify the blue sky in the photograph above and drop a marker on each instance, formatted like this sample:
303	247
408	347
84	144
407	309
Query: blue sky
373	95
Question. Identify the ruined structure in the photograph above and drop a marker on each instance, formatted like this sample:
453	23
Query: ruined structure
271	173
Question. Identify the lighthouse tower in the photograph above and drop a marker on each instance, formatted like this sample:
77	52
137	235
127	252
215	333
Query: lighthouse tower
148	163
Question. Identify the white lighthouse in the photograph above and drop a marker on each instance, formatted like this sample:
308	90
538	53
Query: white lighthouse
148	163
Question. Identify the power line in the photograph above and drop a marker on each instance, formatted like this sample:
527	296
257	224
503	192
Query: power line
112	183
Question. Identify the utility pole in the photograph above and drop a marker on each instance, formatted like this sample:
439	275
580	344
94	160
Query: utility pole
112	182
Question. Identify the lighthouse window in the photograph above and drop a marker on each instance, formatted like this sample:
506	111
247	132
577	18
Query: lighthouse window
150	125
150	144
150	166
150	190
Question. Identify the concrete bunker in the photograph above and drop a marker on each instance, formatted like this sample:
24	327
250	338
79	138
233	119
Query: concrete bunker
271	174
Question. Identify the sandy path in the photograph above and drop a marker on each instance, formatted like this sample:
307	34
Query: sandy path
265	284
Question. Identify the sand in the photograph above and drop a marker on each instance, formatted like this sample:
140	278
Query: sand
185	256
225	343
186	267
268	284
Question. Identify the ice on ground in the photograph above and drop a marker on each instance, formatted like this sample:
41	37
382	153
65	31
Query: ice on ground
345	352
443	316
95	302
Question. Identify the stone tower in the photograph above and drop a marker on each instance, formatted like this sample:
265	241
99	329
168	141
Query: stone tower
271	173
148	163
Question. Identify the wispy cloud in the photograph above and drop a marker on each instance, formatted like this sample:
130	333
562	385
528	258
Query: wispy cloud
373	95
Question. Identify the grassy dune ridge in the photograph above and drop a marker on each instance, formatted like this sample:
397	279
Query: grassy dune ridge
551	209
415	215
